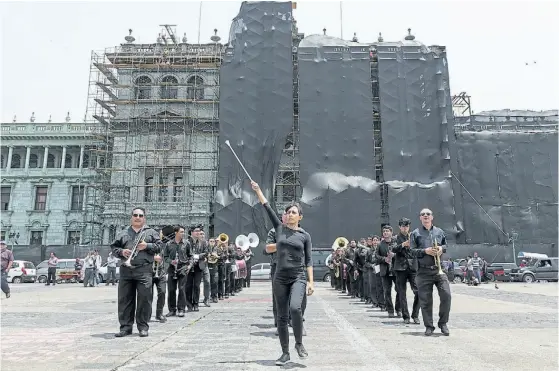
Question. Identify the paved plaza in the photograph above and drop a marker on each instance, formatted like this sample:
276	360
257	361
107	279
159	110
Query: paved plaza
69	327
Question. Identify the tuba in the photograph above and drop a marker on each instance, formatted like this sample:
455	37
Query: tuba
214	256
245	242
340	243
223	239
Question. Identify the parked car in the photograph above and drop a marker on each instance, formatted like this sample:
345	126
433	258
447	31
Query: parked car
320	271
63	266
102	273
260	272
22	271
540	268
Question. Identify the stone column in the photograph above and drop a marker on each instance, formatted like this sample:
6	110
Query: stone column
10	153
84	200
81	156
45	157
63	162
27	157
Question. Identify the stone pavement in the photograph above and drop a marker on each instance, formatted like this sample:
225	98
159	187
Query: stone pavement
69	327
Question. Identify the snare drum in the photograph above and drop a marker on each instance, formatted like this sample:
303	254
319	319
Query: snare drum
240	269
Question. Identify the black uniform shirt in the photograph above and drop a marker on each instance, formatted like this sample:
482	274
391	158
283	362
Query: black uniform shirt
270	239
126	238
293	246
421	239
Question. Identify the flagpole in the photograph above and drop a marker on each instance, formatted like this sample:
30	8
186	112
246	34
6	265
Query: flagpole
341	22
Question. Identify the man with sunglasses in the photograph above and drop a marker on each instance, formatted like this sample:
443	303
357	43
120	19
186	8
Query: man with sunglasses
135	283
422	240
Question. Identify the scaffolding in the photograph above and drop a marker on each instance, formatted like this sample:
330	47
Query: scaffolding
155	108
288	185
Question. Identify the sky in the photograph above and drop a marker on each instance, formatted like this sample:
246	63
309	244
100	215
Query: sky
46	47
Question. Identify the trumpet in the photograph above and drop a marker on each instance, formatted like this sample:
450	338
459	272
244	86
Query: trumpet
140	238
437	256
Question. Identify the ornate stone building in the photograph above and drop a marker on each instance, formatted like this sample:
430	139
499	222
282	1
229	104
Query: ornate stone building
47	169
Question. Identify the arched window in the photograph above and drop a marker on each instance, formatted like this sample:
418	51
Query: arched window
16	161
68	161
143	88
169	89
195	89
85	160
50	161
148	194
33	161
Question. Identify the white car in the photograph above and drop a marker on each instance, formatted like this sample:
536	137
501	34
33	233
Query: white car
22	271
260	271
102	272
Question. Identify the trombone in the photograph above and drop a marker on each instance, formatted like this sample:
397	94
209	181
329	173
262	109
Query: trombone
340	243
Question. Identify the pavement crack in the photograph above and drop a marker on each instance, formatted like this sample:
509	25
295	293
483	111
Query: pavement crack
163	339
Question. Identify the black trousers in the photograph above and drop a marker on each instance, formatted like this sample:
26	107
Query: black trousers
214	278
135	298
332	278
425	280
290	293
352	282
403	277
372	281
175	285
365	283
387	282
380	290
274	305
221	280
246	282
228	282
193	281
161	285
51	275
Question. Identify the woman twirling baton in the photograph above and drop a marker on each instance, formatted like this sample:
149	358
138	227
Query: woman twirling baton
294	273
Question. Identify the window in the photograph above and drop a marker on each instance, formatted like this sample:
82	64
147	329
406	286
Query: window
16	161
6	192
256	267
68	161
33	161
50	161
195	88
169	89
36	238
143	88
77	198
41	198
85	160
73	238
163	189
15	265
178	190
148	194
3	235
28	265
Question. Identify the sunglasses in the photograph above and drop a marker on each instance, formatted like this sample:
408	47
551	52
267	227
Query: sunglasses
425	214
138	215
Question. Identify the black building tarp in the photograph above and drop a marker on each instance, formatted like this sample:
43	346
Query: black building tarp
336	139
416	115
513	176
255	110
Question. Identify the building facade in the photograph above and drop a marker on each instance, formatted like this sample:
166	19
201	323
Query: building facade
47	172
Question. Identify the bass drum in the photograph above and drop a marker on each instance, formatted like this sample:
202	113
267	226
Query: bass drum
241	269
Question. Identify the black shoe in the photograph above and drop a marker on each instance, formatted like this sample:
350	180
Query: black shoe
171	314
283	359
226	296
144	333
123	333
301	351
416	320
214	300
277	332
7	295
161	318
181	313
407	321
196	309
444	330
207	303
429	331
399	314
391	315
